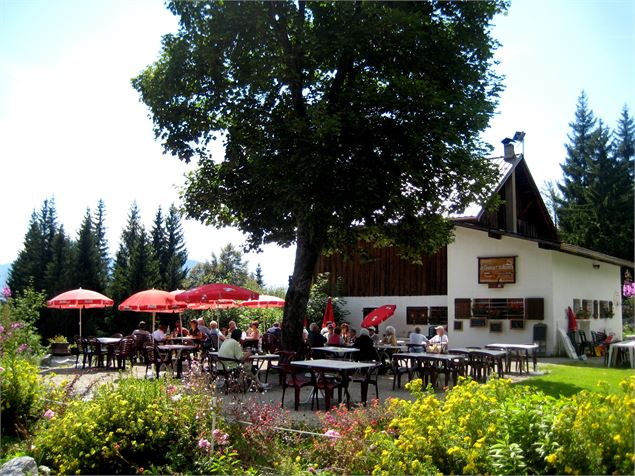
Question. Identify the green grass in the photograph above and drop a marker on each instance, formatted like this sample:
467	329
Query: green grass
569	378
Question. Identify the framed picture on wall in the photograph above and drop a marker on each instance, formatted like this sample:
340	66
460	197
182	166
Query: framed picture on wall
496	327
478	322
458	325
516	324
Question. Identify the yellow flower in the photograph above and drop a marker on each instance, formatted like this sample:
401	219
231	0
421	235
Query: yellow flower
617	438
551	459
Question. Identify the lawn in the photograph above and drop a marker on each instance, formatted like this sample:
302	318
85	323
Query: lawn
569	378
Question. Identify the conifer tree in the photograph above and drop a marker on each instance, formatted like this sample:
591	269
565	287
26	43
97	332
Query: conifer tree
176	254
59	271
26	267
121	286
573	209
86	260
624	150
99	227
258	276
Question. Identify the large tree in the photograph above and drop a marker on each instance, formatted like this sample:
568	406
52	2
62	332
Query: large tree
176	252
342	121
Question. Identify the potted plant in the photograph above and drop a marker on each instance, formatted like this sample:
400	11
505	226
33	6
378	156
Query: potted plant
59	345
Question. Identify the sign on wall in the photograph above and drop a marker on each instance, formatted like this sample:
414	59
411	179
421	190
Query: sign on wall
497	271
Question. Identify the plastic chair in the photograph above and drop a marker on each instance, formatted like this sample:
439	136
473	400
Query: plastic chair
367	378
157	359
293	377
400	366
585	344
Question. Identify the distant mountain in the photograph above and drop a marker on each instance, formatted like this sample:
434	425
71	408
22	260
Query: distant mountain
190	263
4	273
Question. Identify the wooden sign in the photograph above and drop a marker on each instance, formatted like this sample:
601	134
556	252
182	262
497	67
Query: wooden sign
497	271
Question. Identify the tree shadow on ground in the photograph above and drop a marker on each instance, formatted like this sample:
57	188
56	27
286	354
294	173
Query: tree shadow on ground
554	389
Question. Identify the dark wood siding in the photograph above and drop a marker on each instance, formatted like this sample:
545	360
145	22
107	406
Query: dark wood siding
383	273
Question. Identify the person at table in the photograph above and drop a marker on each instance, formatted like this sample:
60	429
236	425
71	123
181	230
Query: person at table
315	338
159	335
231	327
178	330
367	351
328	331
336	338
194	331
345	333
253	333
141	330
418	341
352	336
275	330
214	330
232	349
202	327
440	338
372	332
390	336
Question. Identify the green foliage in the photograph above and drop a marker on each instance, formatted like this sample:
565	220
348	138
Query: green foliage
127	428
320	292
17	325
342	121
22	393
595	209
228	267
498	428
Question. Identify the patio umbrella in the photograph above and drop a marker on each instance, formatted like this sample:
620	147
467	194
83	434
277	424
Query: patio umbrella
79	299
152	300
328	314
264	301
218	304
214	292
379	315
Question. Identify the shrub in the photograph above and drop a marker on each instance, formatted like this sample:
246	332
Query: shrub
501	429
22	393
130	427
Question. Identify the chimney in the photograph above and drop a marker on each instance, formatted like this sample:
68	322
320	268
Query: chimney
509	149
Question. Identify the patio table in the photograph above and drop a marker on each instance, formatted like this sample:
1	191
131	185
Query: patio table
343	367
338	352
444	362
526	348
628	346
495	354
177	350
260	360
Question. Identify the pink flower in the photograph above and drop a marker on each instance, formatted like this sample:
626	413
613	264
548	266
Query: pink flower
171	389
22	348
332	433
49	414
220	437
17	325
1	369
6	292
204	444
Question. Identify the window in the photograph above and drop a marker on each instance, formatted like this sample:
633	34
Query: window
416	315
458	325
496	327
535	309
438	315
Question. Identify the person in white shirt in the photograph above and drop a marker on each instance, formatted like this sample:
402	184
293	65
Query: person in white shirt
417	341
159	334
440	338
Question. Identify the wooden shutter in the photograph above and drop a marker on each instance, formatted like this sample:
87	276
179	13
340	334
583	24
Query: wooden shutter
535	309
462	308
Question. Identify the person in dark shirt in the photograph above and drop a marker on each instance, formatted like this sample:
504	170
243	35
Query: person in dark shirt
315	339
367	351
275	330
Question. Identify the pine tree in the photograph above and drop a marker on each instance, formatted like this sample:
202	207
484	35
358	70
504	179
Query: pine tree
624	151
86	260
59	271
258	276
99	231
143	271
121	286
174	272
159	246
28	264
574	212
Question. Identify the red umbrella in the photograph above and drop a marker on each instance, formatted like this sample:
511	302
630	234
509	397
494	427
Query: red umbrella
79	299
264	301
573	323
214	292
152	300
328	314
379	315
218	304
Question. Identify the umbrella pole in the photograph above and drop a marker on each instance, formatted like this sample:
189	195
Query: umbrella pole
153	316
80	322
181	322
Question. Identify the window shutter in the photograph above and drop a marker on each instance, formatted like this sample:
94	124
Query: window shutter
535	309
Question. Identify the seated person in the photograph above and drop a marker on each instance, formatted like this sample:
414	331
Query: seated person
418	341
440	339
253	333
345	332
275	330
194	330
390	336
214	330
202	327
367	351
178	330
315	337
352	336
336	337
372	332
141	330
232	349
159	335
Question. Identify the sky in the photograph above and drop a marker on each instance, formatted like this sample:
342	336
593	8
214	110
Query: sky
73	128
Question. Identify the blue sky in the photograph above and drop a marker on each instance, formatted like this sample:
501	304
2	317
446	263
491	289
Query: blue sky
72	127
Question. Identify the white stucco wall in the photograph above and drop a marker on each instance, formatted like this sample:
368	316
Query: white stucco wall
575	277
533	279
356	305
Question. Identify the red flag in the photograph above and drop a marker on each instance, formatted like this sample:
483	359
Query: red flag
328	314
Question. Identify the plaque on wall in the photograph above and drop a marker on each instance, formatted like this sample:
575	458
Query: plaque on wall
478	322
497	270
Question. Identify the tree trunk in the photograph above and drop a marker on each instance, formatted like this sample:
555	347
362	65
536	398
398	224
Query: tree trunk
310	242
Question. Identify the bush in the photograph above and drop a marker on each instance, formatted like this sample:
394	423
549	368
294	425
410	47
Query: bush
133	427
501	429
22	393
